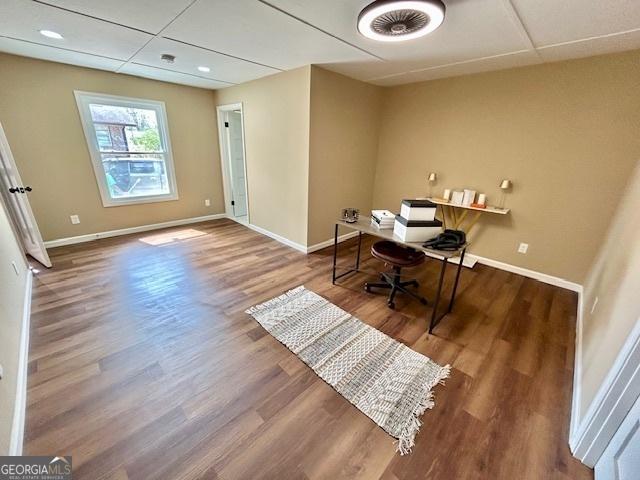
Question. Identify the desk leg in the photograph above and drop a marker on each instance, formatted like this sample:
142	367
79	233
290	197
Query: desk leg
359	246
436	301
335	254
455	284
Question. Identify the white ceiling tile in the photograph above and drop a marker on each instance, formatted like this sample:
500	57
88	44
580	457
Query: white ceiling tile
254	31
594	46
556	21
471	29
44	52
501	62
148	15
188	58
169	76
22	20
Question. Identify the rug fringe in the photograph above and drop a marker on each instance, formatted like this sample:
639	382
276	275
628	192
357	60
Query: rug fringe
406	440
274	301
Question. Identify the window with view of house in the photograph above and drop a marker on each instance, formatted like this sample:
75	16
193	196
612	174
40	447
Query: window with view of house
128	141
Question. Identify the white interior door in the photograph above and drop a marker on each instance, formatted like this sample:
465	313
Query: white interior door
621	458
15	194
237	166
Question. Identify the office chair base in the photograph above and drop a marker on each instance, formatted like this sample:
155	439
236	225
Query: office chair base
392	282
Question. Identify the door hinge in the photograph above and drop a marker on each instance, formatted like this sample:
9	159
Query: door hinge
232	203
226	124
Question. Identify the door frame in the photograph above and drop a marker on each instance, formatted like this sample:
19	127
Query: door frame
620	389
225	159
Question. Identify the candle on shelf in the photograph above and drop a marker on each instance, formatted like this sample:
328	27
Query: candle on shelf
447	194
482	199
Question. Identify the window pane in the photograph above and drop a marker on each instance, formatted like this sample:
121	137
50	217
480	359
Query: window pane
125	129
134	175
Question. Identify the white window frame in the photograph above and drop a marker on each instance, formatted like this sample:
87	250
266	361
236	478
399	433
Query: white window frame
83	99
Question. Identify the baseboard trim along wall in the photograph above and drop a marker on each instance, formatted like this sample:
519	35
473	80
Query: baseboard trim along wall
126	231
525	272
20	406
615	397
329	242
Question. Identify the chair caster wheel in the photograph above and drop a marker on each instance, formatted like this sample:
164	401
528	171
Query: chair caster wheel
391	305
366	288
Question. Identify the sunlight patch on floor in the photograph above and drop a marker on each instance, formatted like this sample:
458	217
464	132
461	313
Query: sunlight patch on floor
170	237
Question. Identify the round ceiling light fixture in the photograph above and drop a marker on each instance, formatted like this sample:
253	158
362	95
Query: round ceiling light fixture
51	34
400	20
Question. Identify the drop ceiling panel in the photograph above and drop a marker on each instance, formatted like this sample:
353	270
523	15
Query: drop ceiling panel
188	58
595	46
148	15
44	52
519	59
471	29
254	31
169	76
21	19
553	21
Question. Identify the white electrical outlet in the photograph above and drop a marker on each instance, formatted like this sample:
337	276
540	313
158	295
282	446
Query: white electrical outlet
75	219
523	248
593	307
207	203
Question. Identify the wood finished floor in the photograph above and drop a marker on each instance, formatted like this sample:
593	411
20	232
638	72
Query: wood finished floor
144	366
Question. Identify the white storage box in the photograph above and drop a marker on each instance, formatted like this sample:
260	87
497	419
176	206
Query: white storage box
416	230
423	210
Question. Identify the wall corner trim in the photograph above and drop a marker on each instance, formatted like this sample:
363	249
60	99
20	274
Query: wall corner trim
615	397
126	231
278	238
20	405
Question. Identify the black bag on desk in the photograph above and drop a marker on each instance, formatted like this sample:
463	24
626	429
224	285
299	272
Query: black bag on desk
448	240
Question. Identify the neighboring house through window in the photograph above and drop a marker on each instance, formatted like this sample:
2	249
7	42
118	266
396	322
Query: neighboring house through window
128	140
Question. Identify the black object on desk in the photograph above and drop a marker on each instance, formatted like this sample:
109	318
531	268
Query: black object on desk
443	256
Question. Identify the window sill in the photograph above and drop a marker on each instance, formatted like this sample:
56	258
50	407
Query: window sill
139	200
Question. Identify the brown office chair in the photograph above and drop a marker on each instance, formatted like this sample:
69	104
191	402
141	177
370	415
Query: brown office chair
398	257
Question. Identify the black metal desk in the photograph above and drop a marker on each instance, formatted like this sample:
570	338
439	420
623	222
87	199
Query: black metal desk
362	226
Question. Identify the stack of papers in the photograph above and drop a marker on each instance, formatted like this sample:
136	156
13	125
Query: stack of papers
382	219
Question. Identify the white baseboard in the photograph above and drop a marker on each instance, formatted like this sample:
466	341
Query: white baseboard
615	397
525	272
577	373
126	231
329	242
20	406
279	238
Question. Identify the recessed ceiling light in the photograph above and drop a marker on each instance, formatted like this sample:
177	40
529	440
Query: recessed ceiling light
400	20
51	34
204	69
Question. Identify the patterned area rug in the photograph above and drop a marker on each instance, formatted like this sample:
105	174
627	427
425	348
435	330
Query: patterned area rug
384	379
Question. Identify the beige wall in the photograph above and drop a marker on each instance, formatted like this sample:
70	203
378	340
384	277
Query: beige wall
565	133
615	280
343	147
276	122
40	117
12	301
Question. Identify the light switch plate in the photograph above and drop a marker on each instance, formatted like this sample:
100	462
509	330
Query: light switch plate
207	203
75	219
523	248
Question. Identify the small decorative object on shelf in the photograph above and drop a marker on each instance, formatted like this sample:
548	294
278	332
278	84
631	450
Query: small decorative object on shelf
350	215
482	199
478	205
446	195
433	178
504	186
